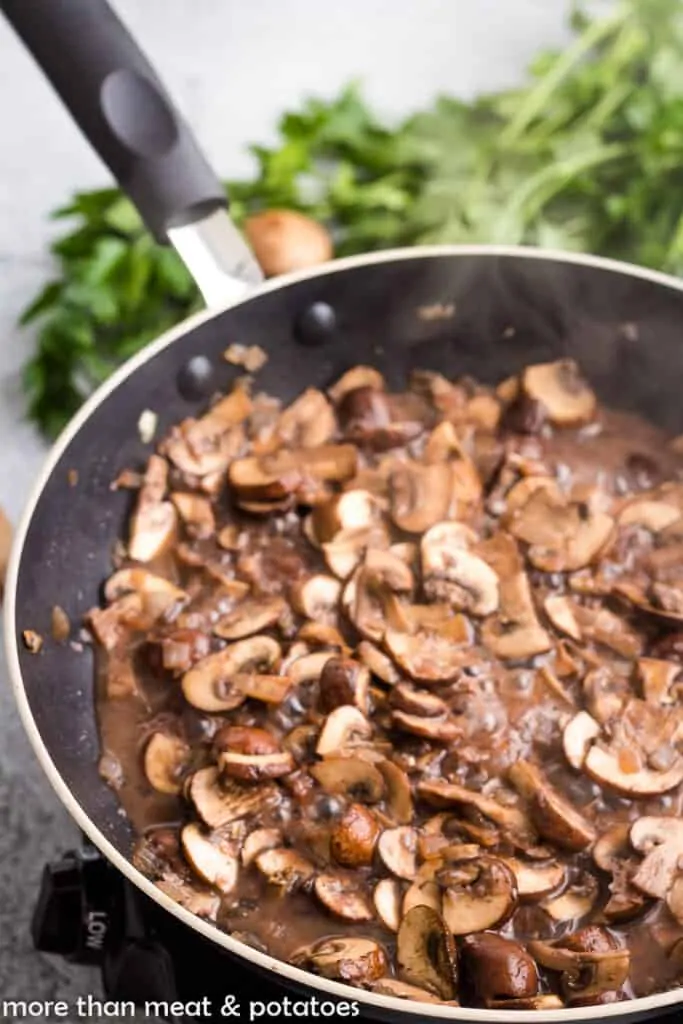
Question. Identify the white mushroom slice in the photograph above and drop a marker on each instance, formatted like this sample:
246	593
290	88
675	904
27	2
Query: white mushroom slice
352	510
317	597
453	574
390	569
425	952
250	616
426	656
479	894
563	536
211	684
585	973
284	868
559	388
260	686
379	664
318	634
560	612
218	803
350	776
342	897
258	841
196	512
256	767
605	767
515	641
387	900
158	594
397	848
343	726
214	862
446	794
357	377
421	495
536	879
554	817
166	757
402	990
308	667
345	553
440	728
399	796
154	522
355	961
577	737
661	841
654	516
575	902
440	541
423	893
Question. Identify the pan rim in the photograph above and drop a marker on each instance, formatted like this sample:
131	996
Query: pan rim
643	1006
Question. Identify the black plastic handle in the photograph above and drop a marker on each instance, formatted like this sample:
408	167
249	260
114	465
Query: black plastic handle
119	103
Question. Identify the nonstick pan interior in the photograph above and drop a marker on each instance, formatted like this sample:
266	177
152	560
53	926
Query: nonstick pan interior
480	312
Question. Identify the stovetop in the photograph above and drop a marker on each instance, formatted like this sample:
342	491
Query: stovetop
89	913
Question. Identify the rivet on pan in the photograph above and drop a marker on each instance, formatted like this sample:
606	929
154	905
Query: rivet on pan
196	378
316	324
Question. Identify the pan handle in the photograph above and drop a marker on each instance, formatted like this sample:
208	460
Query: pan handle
121	106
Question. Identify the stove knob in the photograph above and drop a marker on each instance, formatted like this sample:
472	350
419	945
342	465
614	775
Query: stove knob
58	915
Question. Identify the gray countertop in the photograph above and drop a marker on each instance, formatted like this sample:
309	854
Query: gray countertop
232	67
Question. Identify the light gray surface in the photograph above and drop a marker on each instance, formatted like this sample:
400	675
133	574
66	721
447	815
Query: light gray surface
232	65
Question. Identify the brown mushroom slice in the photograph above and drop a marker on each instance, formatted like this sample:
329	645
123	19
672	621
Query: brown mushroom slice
388	568
607	768
308	667
402	990
479	894
417	702
440	729
308	422
552	814
250	616
399	798
387	900
497	969
154	522
269	689
345	553
577	737
422	893
214	862
538	1002
657	678
344	681
584	972
559	388
660	839
158	594
560	611
357	377
536	879
674	899
205	446
663	603
317	597
343	726
425	952
654	516
515	641
397	848
166	757
352	510
378	662
343	898
350	776
196	512
219	803
453	574
258	841
446	794
210	684
575	902
356	961
426	656
317	634
354	836
421	495
256	767
284	868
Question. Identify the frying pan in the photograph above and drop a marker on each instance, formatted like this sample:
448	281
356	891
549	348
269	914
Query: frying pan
485	311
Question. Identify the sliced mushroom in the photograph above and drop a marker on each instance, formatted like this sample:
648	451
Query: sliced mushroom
342	897
515	632
166	758
562	536
399	797
157	593
661	602
660	839
417	702
350	776
213	860
425	953
446	794
422	893
397	848
354	837
440	729
204	447
552	814
308	667
402	990
542	1002
250	616
219	803
585	972
453	574
154	522
211	684
356	961
308	422
674	899
561	613
387	901
258	841
317	634
478	894
287	472
352	510
357	377
284	868
342	727
610	769
426	656
536	879
317	597
559	388
577	737
345	553
344	681
496	968
657	678
575	902
421	495
196	512
256	767
654	516
379	664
